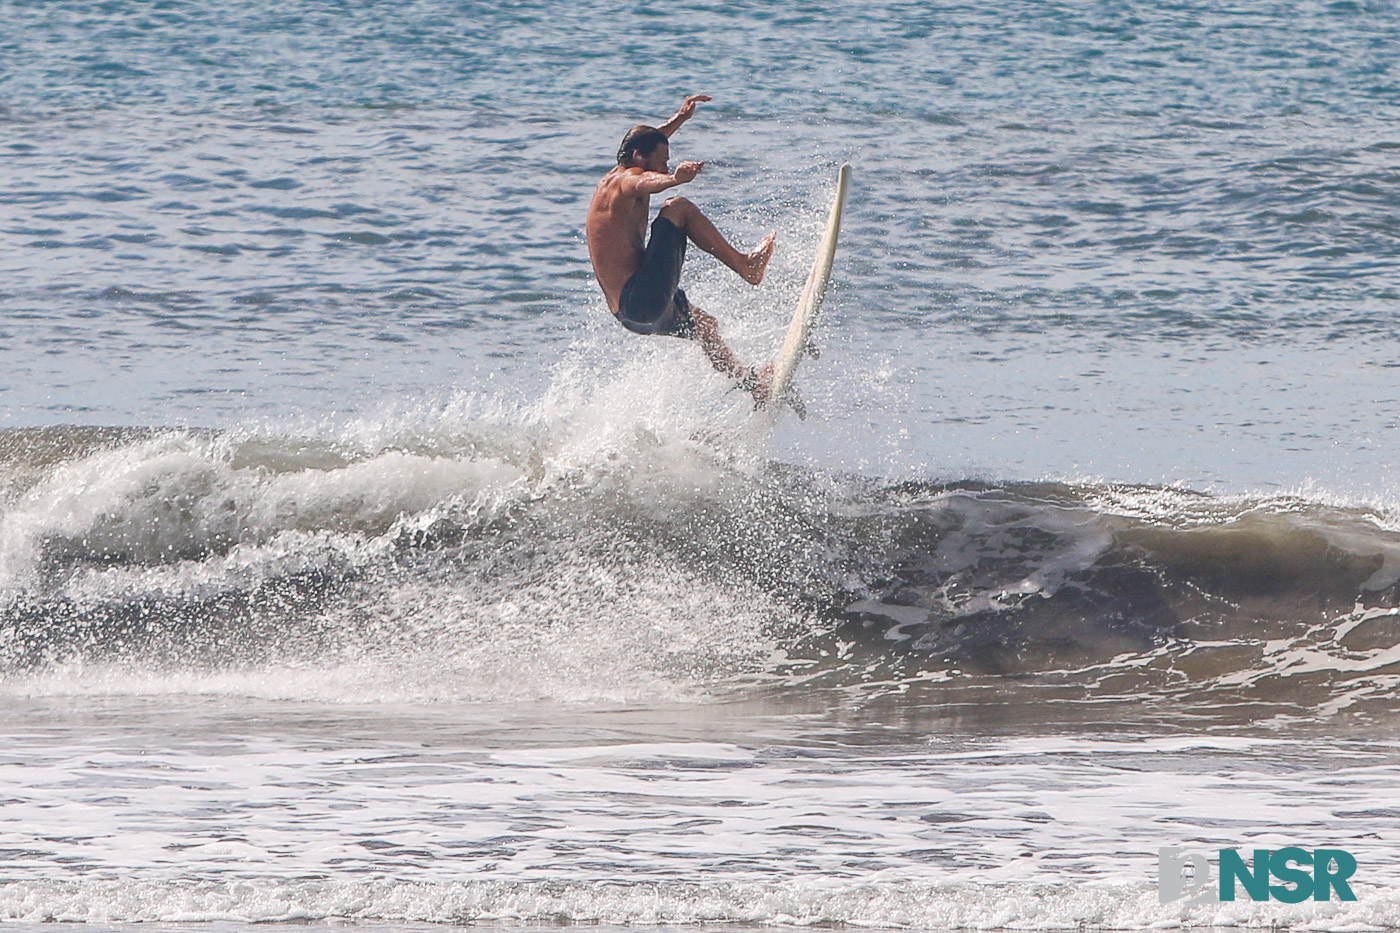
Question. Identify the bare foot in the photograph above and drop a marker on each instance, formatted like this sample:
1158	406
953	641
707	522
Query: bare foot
757	261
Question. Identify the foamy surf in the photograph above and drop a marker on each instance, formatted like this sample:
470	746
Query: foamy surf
875	905
196	814
615	544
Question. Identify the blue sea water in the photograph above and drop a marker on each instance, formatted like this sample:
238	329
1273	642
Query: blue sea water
355	566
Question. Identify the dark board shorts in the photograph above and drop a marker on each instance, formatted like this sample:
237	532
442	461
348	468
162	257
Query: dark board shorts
652	302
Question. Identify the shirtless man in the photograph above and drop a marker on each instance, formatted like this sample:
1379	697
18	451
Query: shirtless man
640	278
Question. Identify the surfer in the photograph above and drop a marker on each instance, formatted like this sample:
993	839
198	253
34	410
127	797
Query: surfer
640	278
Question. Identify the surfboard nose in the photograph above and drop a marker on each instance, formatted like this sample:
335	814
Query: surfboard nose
798	341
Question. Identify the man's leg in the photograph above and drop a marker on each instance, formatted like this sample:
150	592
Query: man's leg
722	358
751	266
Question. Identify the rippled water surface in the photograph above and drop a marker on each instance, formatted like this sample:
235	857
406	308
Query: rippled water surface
1066	217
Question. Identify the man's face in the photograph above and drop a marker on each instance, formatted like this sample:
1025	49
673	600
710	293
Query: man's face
658	160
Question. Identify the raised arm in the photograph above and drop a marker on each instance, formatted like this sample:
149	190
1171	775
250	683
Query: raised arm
654	182
685	113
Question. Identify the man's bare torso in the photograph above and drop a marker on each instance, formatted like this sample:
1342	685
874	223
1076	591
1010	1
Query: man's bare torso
617	231
617	227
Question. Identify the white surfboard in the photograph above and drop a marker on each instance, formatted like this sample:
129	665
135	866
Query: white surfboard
798	342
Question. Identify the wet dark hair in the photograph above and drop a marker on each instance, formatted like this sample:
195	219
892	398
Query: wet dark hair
643	139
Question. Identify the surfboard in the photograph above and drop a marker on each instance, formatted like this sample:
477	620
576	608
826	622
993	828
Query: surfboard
798	342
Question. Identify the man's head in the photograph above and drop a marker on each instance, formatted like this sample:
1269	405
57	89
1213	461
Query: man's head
645	147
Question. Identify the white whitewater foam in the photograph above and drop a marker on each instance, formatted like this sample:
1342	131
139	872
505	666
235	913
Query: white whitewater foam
875	905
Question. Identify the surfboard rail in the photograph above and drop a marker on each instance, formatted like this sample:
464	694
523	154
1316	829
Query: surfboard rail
798	340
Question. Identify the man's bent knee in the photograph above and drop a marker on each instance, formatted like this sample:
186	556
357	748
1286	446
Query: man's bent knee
677	205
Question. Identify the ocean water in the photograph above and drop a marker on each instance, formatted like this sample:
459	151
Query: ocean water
357	569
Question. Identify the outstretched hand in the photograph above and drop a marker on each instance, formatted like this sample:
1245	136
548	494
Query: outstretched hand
687	171
688	108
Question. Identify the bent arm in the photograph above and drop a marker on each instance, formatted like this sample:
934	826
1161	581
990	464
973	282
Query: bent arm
673	124
685	113
654	182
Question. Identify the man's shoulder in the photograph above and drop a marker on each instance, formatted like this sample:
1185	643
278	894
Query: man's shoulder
619	183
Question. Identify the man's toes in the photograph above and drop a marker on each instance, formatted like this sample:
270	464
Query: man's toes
758	259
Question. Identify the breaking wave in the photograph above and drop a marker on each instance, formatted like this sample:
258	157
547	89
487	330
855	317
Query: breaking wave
480	551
